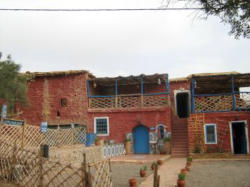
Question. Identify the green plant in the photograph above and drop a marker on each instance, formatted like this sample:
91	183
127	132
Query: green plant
167	139
197	149
181	177
189	159
97	138
144	168
127	140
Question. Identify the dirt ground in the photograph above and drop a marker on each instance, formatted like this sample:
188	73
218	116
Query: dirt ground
122	172
219	174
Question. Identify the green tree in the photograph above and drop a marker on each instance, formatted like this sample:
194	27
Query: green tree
233	12
12	83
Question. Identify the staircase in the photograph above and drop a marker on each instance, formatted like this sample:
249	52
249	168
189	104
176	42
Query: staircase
180	139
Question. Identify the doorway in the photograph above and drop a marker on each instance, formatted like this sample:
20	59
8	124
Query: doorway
182	104
239	137
141	140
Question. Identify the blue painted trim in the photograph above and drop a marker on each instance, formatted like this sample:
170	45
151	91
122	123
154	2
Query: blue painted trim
167	84
141	86
116	87
233	94
192	96
101	96
205	95
88	88
210	111
160	93
242	92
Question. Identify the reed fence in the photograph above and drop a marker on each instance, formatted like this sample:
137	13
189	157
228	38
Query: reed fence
30	137
26	168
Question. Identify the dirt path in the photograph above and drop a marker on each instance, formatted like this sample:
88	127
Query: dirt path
168	173
219	174
122	172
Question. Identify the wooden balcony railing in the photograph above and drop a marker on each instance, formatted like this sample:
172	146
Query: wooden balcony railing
222	102
128	101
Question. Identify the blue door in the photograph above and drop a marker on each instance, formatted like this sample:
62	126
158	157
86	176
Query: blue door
141	140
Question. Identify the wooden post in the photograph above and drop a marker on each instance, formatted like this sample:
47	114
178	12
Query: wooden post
41	167
22	137
156	182
84	170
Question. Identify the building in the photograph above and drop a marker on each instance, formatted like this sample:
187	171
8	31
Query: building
201	112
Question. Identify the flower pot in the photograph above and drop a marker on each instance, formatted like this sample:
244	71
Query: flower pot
188	168
128	147
159	162
180	183
132	182
99	142
142	173
184	171
153	165
168	147
188	164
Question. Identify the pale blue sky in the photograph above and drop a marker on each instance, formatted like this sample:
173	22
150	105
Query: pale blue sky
118	43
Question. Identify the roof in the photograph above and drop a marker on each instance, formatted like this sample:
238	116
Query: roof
131	80
58	73
213	74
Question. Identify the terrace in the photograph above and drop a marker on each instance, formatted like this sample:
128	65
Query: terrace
220	92
128	92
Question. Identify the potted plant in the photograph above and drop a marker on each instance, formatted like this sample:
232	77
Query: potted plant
181	180
128	145
167	144
98	141
184	171
132	182
189	161
143	171
153	165
159	162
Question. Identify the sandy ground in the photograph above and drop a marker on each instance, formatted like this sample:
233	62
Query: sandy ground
219	174
122	172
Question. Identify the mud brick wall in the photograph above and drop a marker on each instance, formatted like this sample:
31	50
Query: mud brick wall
122	122
222	120
45	94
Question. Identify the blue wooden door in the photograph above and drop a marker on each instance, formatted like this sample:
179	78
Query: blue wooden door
141	140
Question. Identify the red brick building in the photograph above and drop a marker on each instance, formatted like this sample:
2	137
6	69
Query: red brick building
201	112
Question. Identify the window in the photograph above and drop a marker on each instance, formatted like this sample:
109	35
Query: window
210	134
63	102
101	126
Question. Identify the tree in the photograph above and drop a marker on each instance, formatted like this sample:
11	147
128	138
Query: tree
12	83
233	12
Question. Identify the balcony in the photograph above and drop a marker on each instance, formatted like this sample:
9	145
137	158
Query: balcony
221	93
128	92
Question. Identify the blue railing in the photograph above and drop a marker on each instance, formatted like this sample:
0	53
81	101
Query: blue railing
222	102
139	100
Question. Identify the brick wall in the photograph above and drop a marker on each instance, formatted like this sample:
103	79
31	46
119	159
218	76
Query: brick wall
196	130
123	122
45	94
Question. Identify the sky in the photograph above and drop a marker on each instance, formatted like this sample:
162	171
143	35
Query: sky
118	43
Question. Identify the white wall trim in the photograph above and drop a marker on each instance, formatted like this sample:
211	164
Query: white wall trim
246	134
189	99
105	117
215	132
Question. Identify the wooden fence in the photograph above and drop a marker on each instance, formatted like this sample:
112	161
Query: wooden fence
129	101
30	137
26	168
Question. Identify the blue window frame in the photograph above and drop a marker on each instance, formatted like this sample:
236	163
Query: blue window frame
210	134
101	126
